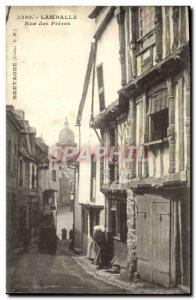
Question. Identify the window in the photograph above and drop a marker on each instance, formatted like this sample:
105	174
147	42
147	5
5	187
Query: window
159	125
53	199
33	177
113	163
20	173
53	175
146	20
158	116
118	218
144	37
146	59
93	178
100	87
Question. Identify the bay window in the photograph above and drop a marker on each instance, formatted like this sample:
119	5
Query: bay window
143	37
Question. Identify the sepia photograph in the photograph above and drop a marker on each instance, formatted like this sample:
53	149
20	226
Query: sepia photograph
98	150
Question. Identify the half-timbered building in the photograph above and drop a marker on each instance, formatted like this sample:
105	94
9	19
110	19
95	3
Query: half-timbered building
142	103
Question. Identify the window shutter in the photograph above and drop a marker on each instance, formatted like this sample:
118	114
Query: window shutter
158	102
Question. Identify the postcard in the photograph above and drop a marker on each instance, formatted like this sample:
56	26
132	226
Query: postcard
98	155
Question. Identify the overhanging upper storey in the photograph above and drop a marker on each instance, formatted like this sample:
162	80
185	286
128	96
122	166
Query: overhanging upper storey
111	112
179	58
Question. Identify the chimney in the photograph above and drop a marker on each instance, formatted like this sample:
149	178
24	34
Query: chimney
10	107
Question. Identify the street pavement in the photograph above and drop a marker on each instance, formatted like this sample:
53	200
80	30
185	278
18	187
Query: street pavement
135	286
33	272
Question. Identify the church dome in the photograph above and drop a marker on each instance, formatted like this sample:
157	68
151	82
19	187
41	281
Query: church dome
66	135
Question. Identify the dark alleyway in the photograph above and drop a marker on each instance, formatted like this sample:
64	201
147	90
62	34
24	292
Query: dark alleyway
42	273
64	219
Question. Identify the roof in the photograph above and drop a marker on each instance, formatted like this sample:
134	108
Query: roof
95	12
17	117
111	112
108	17
86	83
14	118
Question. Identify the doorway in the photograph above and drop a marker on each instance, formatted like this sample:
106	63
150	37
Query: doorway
154	239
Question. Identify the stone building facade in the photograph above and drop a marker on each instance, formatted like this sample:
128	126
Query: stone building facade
28	181
14	132
22	189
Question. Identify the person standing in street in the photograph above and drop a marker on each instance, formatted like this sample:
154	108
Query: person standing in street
100	247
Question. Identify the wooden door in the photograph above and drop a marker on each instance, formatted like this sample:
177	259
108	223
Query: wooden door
153	240
143	240
160	242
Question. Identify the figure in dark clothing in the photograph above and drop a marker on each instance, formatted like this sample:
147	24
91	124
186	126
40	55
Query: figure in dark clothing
100	247
71	237
64	234
71	233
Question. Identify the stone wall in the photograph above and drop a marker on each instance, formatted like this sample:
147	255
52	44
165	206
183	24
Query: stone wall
131	265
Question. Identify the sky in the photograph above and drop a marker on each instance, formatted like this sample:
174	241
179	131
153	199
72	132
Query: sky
51	65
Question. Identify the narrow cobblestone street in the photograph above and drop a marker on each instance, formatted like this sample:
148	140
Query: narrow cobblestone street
69	273
41	273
